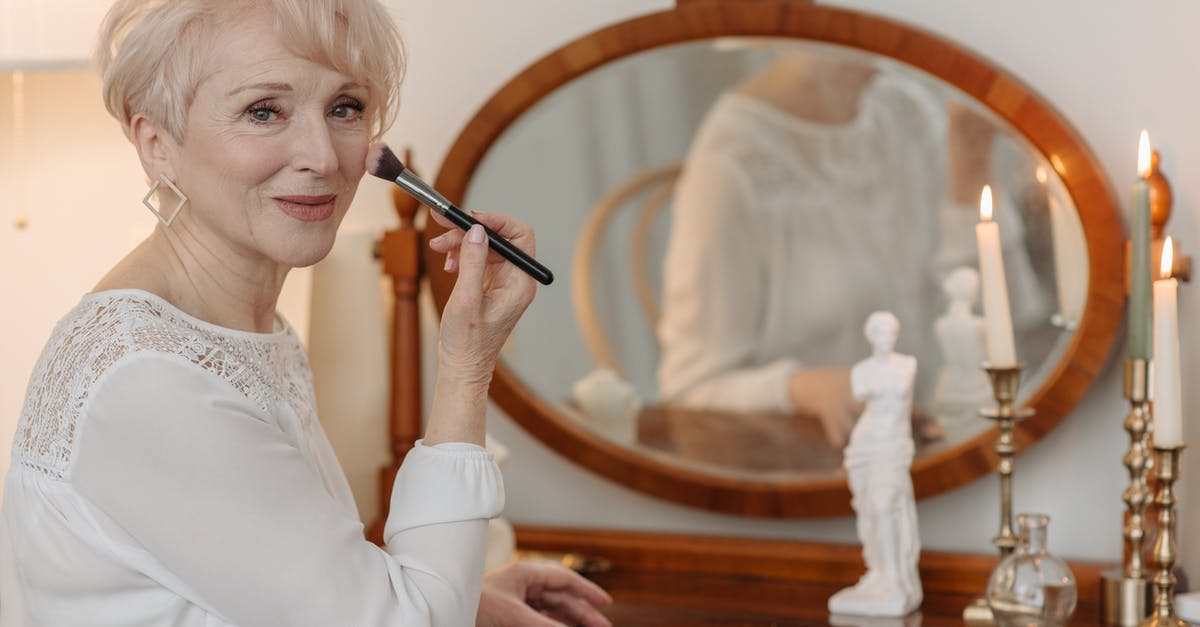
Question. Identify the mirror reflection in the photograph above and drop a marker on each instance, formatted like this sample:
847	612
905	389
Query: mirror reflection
732	211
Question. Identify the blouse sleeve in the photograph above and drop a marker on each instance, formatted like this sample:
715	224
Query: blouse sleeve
714	278
202	480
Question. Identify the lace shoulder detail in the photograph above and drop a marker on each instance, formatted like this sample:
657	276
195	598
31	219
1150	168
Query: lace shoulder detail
105	327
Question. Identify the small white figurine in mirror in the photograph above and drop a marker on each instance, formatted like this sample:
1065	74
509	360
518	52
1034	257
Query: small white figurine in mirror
877	464
610	404
962	387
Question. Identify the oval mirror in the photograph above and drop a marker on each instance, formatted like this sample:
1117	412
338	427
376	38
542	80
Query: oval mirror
727	191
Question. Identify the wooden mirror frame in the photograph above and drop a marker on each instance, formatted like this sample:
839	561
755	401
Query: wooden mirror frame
1005	96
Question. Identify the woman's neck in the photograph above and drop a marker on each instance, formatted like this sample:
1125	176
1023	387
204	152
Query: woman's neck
209	281
811	88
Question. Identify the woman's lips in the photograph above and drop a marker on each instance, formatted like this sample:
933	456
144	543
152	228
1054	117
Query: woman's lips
307	208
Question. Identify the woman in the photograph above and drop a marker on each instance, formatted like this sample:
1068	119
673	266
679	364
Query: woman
819	189
800	178
169	468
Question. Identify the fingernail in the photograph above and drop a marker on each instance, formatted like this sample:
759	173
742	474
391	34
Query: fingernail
475	235
437	240
449	265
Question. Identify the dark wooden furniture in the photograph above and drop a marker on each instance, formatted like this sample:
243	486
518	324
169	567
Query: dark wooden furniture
663	579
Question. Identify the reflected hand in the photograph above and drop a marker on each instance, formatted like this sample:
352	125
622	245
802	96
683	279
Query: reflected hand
488	298
825	393
536	594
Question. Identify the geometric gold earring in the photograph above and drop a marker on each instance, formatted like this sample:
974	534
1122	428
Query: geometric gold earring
166	218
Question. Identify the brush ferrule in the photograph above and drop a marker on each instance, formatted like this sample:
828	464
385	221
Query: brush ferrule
422	191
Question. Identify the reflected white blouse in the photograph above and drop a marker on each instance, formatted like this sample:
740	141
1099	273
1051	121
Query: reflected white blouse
786	234
170	472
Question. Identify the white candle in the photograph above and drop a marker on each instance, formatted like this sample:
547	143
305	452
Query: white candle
1168	416
1070	261
997	318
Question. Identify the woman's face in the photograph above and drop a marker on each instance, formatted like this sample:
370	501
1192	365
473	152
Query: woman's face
272	151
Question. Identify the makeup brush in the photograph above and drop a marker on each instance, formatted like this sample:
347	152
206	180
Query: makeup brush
383	163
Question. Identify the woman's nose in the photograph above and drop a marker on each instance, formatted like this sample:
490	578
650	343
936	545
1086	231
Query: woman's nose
313	148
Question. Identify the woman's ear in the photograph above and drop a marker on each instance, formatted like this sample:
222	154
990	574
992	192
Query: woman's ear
155	146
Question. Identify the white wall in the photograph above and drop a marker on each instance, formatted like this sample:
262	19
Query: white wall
1110	69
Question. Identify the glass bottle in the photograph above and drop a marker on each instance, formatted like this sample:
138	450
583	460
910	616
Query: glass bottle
1031	587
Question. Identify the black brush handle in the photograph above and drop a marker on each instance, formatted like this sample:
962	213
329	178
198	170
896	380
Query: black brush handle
503	247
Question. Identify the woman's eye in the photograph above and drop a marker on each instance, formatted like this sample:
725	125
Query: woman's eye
347	110
263	113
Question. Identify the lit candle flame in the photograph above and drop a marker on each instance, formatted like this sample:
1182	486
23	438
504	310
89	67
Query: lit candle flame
985	204
1144	154
1164	268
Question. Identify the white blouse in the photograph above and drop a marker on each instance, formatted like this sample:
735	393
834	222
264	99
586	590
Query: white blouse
170	472
786	234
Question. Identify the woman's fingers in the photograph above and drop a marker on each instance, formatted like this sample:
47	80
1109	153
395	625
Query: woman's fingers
442	220
567	595
510	229
570	609
555	577
450	241
472	266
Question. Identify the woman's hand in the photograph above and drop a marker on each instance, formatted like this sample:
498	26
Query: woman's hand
534	594
489	295
488	298
825	394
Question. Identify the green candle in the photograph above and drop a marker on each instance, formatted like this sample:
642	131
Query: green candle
1139	264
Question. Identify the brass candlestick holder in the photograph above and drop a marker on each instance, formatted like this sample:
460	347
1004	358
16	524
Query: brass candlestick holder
1005	381
1167	470
1126	594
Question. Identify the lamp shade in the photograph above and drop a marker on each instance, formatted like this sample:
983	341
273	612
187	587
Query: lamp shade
48	34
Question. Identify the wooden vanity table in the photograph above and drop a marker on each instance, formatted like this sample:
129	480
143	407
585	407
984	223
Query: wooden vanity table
658	580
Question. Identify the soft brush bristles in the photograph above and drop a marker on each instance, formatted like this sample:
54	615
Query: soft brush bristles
382	162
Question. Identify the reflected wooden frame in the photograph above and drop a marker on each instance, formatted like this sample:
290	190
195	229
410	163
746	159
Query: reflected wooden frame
1007	97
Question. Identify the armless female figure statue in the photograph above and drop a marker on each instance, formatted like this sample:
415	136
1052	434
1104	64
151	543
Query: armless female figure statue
877	464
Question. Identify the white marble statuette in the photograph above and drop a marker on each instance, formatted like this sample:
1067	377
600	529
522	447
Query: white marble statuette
877	461
962	387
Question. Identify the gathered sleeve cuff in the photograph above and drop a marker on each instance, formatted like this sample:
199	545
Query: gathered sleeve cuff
447	482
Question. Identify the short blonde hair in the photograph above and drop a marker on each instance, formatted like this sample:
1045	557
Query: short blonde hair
152	53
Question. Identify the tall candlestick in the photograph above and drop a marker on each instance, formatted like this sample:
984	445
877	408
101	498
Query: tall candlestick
1139	261
997	318
1168	423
